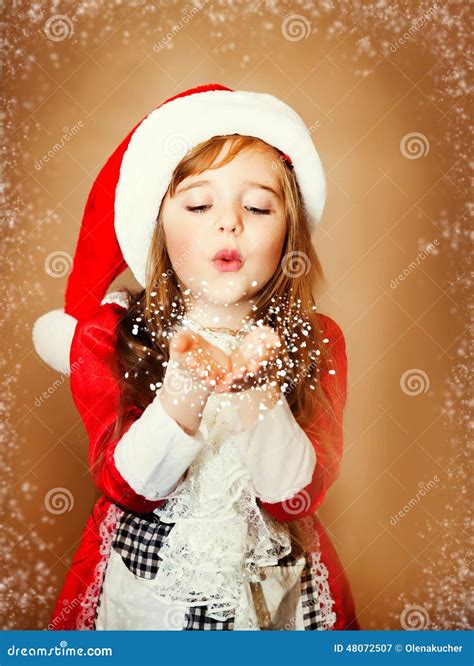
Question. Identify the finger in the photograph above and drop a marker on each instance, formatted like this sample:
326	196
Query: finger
238	364
206	362
191	348
182	342
205	353
243	384
267	343
260	344
225	384
190	361
204	368
257	350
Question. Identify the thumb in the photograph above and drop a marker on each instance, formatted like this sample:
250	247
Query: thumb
181	343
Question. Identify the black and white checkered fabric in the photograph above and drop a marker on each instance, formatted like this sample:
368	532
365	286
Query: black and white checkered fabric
197	619
138	539
312	616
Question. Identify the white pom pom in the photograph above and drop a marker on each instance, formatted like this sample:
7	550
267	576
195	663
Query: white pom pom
52	338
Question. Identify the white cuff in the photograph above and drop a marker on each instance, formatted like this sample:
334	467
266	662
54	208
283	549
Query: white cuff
278	454
155	452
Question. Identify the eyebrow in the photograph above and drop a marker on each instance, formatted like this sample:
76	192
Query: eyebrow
254	183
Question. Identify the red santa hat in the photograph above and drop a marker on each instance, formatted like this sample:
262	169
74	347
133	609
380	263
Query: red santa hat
123	204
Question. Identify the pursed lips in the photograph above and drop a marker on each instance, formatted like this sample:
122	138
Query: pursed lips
228	259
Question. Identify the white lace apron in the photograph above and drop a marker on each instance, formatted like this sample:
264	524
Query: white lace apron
221	538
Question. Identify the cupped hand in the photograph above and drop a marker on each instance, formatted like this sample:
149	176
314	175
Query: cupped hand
221	372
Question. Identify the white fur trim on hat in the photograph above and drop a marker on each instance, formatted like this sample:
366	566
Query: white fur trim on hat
170	131
52	337
118	297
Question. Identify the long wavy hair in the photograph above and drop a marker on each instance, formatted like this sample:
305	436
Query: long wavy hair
287	303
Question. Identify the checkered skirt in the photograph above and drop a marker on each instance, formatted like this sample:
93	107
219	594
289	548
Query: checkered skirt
138	539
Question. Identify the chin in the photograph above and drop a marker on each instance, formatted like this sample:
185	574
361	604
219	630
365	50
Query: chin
228	298
222	294
225	288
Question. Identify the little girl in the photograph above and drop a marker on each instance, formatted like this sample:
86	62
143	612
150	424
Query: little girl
213	395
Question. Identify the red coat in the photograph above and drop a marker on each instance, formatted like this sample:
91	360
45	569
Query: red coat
95	392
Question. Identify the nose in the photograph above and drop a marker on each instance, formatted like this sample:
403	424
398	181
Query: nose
230	221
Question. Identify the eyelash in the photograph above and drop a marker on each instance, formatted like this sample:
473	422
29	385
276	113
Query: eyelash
257	211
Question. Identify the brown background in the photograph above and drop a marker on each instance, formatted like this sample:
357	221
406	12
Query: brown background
360	99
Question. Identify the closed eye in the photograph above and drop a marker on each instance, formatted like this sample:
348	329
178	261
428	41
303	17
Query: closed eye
258	211
252	209
197	209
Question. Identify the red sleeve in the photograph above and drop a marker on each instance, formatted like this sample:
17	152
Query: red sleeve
95	391
328	464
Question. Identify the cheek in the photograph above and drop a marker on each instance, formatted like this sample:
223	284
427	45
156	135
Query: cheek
177	246
267	249
184	243
181	239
